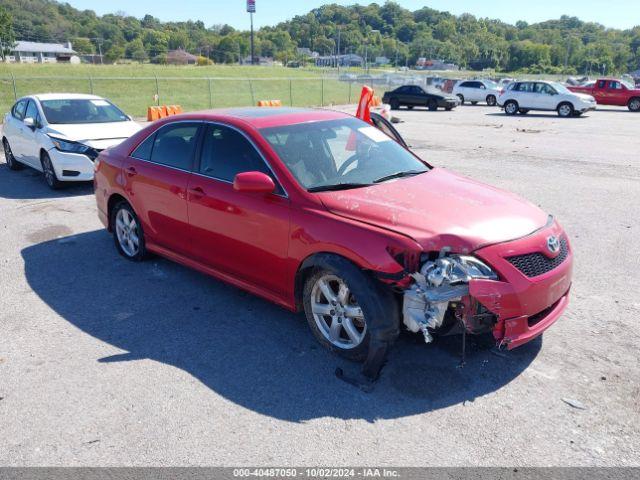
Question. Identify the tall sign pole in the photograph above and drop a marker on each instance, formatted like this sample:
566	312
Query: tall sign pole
251	8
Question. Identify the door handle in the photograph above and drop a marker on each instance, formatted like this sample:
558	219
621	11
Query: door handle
131	171
196	192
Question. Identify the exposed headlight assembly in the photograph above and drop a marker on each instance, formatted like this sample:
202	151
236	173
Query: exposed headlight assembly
68	146
455	269
440	282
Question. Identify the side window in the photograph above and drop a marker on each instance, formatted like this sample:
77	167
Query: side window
481	85
174	145
466	84
32	111
226	152
402	90
19	109
143	150
601	83
615	85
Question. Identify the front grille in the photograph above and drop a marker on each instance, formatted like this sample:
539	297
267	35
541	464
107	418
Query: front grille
534	264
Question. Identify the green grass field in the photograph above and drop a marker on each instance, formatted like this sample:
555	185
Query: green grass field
133	87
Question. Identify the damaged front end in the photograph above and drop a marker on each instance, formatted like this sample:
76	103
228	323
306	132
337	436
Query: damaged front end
438	298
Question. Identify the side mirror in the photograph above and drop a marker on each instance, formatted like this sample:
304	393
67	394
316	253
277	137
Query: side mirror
30	122
255	182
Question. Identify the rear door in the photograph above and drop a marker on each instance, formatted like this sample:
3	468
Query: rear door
526	97
242	234
156	179
13	128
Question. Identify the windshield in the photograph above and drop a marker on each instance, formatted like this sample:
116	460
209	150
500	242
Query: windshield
82	111
490	83
560	88
627	84
345	153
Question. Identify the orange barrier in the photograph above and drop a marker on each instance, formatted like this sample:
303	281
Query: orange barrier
157	112
270	103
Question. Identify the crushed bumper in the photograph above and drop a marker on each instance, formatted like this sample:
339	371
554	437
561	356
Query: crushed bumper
525	306
71	167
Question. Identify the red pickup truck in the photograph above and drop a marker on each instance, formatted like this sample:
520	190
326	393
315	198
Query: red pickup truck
611	91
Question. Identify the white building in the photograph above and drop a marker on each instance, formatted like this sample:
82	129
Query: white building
35	52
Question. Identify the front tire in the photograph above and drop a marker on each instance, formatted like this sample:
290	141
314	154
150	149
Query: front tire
511	107
565	110
49	172
491	100
634	105
343	305
12	163
127	233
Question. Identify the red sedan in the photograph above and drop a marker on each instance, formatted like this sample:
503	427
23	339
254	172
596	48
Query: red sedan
319	211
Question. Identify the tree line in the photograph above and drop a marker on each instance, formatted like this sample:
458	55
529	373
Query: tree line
566	45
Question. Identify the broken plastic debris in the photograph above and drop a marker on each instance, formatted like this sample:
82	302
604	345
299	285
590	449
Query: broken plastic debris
574	403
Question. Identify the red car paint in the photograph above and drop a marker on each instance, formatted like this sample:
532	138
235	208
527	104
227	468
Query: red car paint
258	241
609	91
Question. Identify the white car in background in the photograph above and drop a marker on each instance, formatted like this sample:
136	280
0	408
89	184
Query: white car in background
520	97
476	91
62	134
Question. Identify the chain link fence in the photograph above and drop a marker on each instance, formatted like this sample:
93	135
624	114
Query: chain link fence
135	94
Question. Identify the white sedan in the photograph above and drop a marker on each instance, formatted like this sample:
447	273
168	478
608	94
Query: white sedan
520	97
62	134
475	91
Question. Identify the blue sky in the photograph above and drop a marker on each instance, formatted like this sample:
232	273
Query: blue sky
612	13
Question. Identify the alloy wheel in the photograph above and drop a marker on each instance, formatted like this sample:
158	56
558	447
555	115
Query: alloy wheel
511	108
127	232
634	105
565	110
337	313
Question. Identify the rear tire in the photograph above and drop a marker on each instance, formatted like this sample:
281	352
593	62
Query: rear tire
432	105
511	107
491	100
634	104
369	307
49	172
12	163
394	103
565	110
127	232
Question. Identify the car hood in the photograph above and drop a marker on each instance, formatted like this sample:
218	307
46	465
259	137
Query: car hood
440	209
96	135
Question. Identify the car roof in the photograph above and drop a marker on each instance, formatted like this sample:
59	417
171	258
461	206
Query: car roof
65	96
264	117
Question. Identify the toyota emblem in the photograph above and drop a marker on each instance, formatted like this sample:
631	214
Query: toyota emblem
553	244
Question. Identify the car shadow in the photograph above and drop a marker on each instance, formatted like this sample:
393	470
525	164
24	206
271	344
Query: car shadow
537	115
29	184
248	350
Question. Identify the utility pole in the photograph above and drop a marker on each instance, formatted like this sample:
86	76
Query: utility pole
338	56
251	8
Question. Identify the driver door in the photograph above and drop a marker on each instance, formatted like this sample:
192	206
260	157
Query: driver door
385	125
30	137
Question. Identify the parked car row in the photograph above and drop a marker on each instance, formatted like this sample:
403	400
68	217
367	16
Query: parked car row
315	210
521	97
